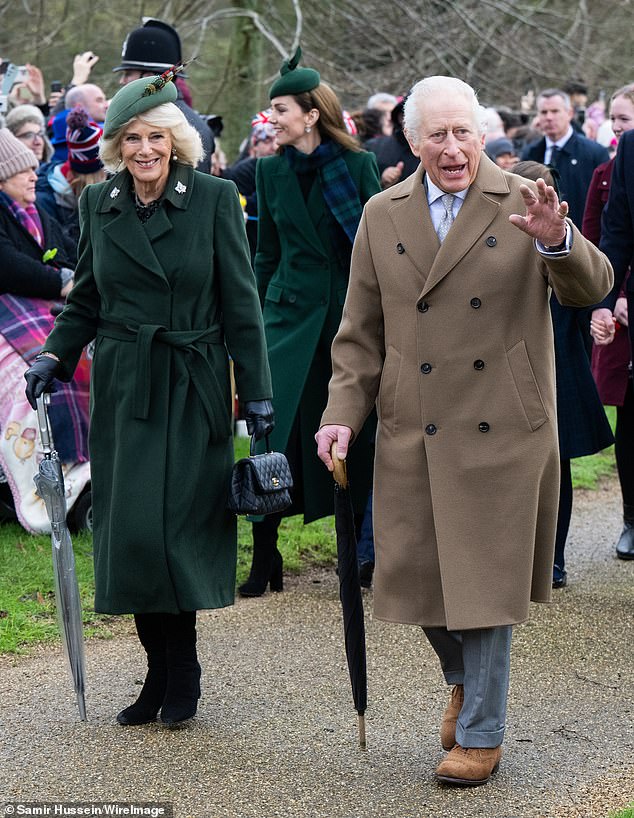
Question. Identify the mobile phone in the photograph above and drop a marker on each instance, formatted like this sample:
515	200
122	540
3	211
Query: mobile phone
56	86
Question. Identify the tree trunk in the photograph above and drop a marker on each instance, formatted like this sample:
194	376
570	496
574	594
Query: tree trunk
244	93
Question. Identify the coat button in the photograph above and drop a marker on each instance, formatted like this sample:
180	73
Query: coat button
491	241
475	303
292	298
478	364
399	248
425	368
422	306
430	429
483	426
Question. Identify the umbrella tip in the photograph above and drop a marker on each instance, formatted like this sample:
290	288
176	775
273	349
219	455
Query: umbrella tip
362	741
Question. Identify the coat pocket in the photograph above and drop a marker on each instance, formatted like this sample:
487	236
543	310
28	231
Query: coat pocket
274	293
388	389
526	385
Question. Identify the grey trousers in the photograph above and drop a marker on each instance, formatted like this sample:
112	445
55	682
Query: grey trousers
480	659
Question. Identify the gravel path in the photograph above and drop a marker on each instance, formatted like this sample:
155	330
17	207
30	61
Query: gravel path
275	733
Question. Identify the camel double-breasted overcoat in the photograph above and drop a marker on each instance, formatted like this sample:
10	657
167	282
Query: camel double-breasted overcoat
164	299
455	344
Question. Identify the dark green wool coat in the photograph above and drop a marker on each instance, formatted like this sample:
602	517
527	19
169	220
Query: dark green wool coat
162	299
302	280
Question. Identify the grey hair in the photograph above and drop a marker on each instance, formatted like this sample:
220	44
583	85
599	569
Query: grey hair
380	97
186	141
554	92
23	114
431	86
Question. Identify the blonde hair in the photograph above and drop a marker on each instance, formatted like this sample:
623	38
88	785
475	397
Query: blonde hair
78	181
438	85
626	91
330	123
186	142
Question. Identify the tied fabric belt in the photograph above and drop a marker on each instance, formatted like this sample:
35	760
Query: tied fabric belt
202	375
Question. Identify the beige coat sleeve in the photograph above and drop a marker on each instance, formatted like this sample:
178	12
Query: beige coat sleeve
583	277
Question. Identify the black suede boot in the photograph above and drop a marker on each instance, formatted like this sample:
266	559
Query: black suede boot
267	566
150	629
625	545
183	671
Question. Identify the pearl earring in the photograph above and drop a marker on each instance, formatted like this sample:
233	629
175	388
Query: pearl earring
174	157
307	129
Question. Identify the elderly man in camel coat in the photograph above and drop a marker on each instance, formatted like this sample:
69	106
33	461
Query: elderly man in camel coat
446	327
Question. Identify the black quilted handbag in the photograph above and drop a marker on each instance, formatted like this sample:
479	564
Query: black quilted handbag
260	483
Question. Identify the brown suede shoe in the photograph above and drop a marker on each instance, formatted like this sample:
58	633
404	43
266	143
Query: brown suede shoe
469	766
450	716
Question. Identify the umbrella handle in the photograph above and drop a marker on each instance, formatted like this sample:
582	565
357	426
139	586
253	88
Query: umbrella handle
340	472
42	422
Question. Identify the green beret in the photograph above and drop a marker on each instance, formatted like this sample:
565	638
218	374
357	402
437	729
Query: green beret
294	80
135	98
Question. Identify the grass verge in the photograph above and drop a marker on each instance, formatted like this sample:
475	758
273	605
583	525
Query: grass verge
27	609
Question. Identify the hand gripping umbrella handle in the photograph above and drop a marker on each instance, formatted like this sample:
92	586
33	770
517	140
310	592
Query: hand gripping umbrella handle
340	473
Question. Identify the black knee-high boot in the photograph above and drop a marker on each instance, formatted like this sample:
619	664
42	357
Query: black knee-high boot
151	632
183	670
267	566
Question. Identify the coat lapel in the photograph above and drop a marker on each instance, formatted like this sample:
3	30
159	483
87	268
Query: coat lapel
410	215
126	231
476	214
292	201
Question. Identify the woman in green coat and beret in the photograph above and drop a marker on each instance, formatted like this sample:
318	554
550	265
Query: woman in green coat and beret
165	287
310	199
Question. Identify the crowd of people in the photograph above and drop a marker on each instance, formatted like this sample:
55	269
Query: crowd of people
465	367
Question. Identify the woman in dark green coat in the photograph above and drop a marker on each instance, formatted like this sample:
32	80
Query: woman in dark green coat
310	199
164	285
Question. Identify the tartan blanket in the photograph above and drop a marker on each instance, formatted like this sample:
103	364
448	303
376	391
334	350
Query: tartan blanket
24	324
20	451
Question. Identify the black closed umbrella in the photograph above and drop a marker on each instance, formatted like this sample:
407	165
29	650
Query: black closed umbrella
350	592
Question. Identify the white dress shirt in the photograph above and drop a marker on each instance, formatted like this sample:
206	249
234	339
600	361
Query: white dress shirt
436	207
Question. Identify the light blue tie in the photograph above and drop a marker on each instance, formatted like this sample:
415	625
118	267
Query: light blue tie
447	219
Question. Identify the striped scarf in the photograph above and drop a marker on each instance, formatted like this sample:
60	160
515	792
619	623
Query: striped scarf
28	217
339	190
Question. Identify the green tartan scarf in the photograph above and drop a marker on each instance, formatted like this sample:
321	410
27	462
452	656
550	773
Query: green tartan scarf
339	190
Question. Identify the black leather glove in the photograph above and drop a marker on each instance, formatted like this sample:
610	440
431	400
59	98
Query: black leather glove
39	377
259	417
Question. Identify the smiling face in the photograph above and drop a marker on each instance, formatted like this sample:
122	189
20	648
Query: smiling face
290	121
449	143
21	187
621	115
32	136
146	152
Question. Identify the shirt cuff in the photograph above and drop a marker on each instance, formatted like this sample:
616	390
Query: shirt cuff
557	252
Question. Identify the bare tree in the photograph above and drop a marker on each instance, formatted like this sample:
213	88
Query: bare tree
501	47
